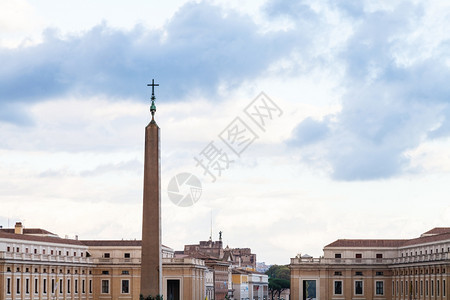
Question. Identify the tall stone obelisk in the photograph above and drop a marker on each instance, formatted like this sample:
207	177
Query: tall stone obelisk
151	266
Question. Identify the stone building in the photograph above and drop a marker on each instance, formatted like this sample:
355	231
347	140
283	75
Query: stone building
222	262
36	264
376	269
238	257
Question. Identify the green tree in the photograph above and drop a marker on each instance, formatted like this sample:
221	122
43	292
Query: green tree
279	280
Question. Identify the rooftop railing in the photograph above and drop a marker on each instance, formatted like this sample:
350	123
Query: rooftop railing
341	261
116	260
422	258
187	260
373	261
42	257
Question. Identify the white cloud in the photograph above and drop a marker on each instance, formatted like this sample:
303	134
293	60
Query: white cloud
20	24
369	95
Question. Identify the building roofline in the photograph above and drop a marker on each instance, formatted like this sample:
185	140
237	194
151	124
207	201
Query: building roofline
428	237
37	238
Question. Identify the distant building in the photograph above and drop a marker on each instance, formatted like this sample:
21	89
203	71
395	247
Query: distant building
262	267
239	257
249	284
209	248
376	269
244	257
222	262
220	269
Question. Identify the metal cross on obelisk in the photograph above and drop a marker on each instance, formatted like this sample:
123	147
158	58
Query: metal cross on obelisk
153	106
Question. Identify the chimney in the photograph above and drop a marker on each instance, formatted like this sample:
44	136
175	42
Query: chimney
18	229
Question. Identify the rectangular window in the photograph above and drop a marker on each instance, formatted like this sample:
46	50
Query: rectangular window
337	255
437	287
379	255
126	255
36	286
396	286
432	288
358	273
68	286
426	287
27	286
105	286
44	286
83	290
337	273
401	286
8	286
76	286
378	273
105	272
338	287
125	272
379	288
309	287
421	288
60	286
443	288
358	287
90	286
18	286
53	286
106	255
416	287
406	287
8	249
125	286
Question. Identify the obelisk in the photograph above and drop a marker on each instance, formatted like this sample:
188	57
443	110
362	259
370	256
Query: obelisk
151	267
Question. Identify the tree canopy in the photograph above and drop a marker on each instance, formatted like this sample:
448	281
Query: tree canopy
279	280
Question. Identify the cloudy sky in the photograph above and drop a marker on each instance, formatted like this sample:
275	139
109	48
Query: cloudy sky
360	150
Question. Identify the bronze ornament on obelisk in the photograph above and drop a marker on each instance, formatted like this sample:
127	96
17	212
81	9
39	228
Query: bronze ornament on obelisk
151	266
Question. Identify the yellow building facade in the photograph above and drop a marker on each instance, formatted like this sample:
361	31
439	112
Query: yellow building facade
376	269
35	264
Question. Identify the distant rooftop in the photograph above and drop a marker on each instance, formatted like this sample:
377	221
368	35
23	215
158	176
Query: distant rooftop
433	235
32	231
38	238
42	235
437	230
366	243
115	243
